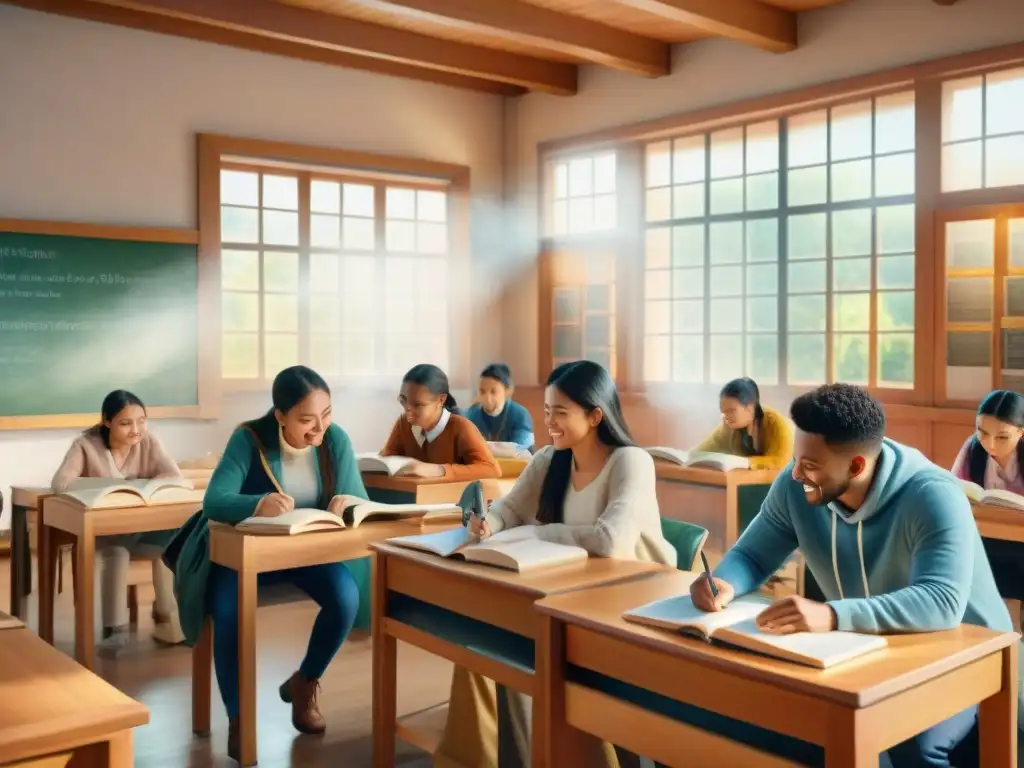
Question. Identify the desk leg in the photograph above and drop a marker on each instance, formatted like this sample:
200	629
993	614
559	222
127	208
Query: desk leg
116	752
997	719
385	672
849	745
247	585
47	574
202	660
732	514
21	561
85	605
555	742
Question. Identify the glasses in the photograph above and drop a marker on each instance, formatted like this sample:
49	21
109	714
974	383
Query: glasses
406	405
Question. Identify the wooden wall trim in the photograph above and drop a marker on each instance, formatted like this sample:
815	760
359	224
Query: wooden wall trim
101	231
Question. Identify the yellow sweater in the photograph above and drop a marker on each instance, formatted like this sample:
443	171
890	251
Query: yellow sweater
776	439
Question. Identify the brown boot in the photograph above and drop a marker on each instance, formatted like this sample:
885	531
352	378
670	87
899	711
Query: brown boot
301	694
234	740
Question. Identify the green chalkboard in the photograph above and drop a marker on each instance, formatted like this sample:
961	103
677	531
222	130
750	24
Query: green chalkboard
80	316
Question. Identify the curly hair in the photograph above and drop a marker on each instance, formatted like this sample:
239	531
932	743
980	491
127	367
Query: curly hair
844	415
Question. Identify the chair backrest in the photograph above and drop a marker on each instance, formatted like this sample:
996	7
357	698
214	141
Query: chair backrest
687	538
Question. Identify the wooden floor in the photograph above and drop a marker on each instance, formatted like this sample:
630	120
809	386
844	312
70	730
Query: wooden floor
161	679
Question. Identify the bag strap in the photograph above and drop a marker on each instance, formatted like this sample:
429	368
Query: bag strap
263	460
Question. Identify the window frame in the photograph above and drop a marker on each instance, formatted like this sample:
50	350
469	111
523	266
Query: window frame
215	151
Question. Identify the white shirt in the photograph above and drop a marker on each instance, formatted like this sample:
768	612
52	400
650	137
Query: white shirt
435	432
300	475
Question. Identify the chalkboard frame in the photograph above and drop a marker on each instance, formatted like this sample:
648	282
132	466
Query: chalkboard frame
208	406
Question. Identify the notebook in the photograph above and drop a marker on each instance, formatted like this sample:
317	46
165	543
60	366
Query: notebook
516	549
355	512
376	464
995	497
720	461
737	626
102	493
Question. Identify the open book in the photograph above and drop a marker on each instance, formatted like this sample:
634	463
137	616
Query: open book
508	450
737	626
995	497
516	549
104	492
355	512
387	465
720	461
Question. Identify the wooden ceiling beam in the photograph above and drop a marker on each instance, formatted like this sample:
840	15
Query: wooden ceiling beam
169	25
542	27
315	28
747	21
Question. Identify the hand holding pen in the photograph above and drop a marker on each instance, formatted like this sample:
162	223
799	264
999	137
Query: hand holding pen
707	592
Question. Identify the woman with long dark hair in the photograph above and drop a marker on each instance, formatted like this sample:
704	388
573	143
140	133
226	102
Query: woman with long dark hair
293	456
593	488
749	428
121	447
993	457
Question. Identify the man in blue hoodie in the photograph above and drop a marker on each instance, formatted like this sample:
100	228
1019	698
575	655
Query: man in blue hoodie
888	536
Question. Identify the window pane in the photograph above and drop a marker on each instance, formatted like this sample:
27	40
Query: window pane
851	311
763	147
850	353
240	356
604	173
431	205
763	240
325	353
894	175
659	204
360	235
240	270
726	357
806	359
280	228
560	218
970	244
657	284
851	275
581	177
896	272
239	225
969	300
894	123
726	315
808	277
806	313
688	316
851	180
727	153
581	214
961	109
358	199
896	359
659	164
687	283
324	196
400	203
895	311
763	192
807	236
808	186
687	201
360	303
1016	235
400	236
851	232
726	281
324	273
604	212
561	180
239	188
763	314
851	131
280	351
240	311
324	314
1004	160
431	238
657	358
762	279
281	192
727	196
763	358
807	141
280	312
657	317
688	159
895	225
658	249
727	242
568	342
280	271
357	355
325	231
687	358
688	245
961	166
1004	102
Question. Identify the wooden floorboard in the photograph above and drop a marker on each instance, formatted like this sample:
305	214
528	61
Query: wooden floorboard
161	679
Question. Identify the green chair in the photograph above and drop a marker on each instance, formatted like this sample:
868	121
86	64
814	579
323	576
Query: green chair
687	538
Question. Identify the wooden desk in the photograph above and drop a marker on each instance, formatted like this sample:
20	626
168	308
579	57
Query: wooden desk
24	499
250	555
52	707
854	711
998	522
502	600
511	468
85	525
707	496
425	490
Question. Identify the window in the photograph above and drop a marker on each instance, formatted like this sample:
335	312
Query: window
784	250
583	196
583	310
331	272
983	131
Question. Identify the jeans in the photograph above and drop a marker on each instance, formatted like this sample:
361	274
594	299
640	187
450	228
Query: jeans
331	586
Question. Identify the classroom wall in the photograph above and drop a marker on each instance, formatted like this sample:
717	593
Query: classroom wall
98	125
856	37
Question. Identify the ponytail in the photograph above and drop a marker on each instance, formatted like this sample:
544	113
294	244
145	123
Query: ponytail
436	382
450	404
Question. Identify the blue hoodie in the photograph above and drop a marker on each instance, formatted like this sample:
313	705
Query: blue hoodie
909	560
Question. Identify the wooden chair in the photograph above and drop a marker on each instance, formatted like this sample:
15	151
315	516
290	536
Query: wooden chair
687	538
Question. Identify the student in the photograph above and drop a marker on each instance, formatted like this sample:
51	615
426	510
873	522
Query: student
592	488
992	458
891	541
499	418
291	457
430	431
121	447
749	428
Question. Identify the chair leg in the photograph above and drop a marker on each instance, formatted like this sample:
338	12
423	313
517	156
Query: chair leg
133	605
74	573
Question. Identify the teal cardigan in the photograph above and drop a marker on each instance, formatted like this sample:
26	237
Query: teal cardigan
236	487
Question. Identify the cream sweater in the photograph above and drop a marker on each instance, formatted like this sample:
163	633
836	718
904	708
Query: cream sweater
615	515
89	457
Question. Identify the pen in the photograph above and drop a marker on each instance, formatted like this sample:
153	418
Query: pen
707	575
